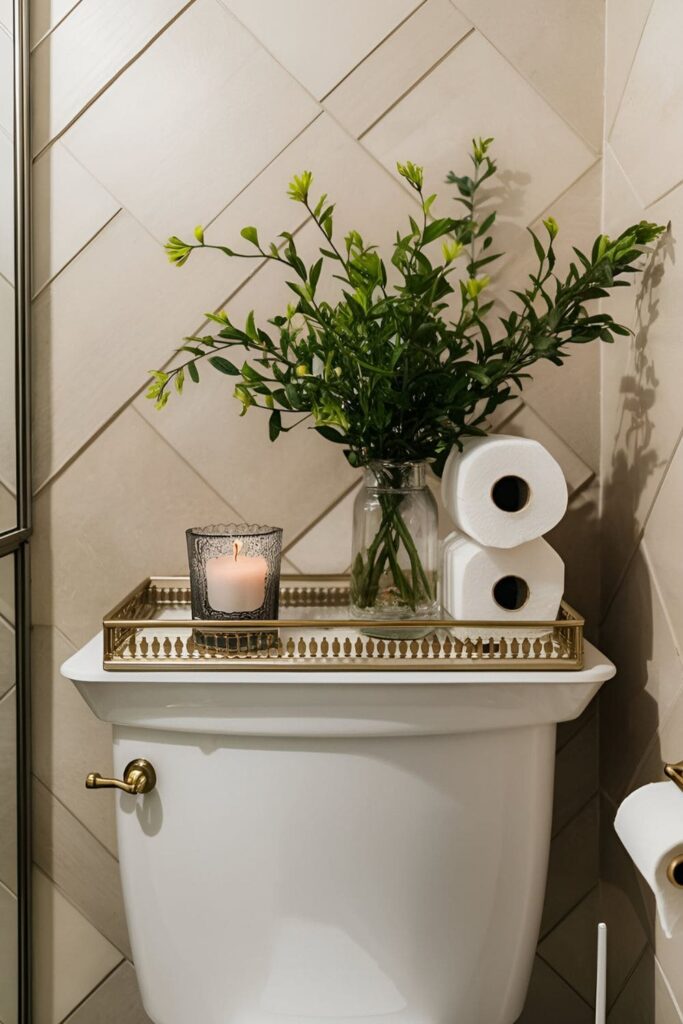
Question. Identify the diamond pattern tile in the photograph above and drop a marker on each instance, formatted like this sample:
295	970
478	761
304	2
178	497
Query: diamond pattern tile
150	119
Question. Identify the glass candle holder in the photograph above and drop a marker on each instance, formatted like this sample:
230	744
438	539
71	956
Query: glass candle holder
234	574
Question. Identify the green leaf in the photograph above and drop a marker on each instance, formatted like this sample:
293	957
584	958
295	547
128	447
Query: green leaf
330	435
436	229
540	251
193	372
274	425
250	327
224	366
250	234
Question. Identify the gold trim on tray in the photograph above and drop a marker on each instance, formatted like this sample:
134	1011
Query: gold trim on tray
151	628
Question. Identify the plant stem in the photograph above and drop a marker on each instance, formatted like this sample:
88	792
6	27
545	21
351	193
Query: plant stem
414	588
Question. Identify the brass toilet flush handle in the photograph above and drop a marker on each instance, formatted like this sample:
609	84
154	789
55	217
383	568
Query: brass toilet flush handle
675	773
139	777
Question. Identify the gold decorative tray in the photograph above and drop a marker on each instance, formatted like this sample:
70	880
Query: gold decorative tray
152	628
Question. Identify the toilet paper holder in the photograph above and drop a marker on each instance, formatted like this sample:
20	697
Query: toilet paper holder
675	773
674	870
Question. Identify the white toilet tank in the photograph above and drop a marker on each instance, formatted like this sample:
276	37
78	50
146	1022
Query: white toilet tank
336	849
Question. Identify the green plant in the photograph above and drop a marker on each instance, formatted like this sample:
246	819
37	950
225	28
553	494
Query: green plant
383	369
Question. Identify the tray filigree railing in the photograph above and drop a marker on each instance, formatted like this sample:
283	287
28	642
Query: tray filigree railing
152	628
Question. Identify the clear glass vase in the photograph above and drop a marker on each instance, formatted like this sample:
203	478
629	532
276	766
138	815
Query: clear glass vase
395	544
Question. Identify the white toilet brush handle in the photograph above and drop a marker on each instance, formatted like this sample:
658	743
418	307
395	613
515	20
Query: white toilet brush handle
601	979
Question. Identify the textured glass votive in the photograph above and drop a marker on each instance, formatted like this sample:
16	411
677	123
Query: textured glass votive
234	571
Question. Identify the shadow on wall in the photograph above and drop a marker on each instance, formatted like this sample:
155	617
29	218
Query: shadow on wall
629	715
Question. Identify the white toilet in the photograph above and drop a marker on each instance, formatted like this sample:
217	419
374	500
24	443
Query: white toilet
335	847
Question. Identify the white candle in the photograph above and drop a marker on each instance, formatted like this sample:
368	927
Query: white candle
236	583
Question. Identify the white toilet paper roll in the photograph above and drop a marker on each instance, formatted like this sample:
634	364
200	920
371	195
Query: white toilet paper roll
501	584
650	825
503	491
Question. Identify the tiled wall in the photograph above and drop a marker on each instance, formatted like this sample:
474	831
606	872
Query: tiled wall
152	117
641	711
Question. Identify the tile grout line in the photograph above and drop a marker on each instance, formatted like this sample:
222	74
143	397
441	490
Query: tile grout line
300	536
665	979
329	113
64	806
579	135
664	195
128	402
93	99
415	84
210	486
578	732
543	935
584	805
54	27
375	48
567	983
629	975
608	129
78	252
265	167
641	531
92	991
627	178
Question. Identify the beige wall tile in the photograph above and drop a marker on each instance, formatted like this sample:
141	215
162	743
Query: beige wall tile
141	498
577	539
637	636
71	957
621	905
72	65
573	870
570	947
121	306
576	775
8	957
8	791
526	423
558	47
6	81
568	397
643	416
46	14
661	537
79	865
646	997
6	214
124	485
7	597
7	675
8	458
6	15
326	546
539	156
116	1001
329	39
551	999
219	83
68	741
69	208
625	21
395	66
650	153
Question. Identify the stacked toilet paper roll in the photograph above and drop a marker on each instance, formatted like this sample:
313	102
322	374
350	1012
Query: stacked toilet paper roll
503	494
649	823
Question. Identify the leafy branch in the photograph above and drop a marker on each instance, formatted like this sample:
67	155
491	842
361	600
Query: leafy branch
382	369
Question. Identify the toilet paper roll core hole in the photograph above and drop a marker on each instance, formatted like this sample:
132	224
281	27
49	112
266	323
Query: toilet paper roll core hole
511	593
510	493
674	872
